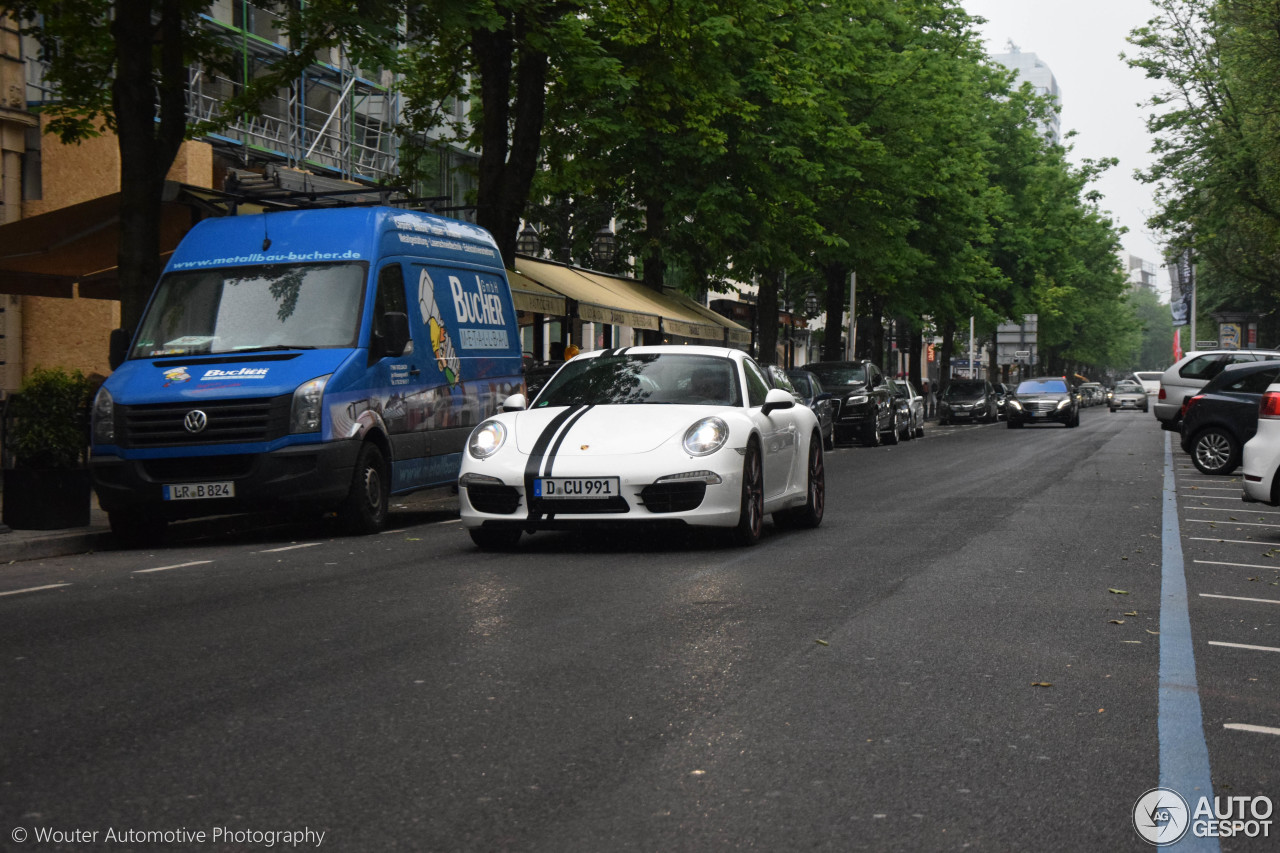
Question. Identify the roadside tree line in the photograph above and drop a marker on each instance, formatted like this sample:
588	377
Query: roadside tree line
782	142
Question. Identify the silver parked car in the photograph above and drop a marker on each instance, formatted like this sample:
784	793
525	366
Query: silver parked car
913	403
1128	395
1191	373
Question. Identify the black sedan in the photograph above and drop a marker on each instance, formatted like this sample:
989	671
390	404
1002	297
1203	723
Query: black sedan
1217	421
1044	399
820	400
868	408
968	400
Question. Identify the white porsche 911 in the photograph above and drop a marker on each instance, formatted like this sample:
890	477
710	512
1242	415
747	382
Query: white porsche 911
659	435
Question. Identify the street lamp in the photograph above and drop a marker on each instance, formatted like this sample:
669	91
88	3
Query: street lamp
604	246
527	242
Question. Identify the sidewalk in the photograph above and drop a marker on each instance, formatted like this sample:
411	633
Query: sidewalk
20	545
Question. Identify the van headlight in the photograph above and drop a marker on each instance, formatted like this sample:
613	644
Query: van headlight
487	439
104	418
306	412
706	437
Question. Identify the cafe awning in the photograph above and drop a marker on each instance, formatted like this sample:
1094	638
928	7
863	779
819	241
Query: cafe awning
47	255
532	297
621	301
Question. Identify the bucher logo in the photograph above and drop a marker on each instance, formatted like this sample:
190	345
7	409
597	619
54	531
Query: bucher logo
239	373
480	305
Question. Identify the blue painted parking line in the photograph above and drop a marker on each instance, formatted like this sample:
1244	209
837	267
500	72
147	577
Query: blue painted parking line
1184	755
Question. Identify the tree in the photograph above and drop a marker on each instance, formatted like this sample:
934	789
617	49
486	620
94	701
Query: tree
121	66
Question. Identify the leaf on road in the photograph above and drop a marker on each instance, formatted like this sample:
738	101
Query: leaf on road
1132	613
1156	633
1118	591
1042	684
1117	621
822	642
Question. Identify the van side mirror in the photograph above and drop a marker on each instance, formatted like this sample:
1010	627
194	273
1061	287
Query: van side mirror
117	348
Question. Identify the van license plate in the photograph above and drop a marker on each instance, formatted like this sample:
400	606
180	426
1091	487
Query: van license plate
197	491
576	487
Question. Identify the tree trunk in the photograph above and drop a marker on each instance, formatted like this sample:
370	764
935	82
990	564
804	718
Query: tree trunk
944	358
507	164
147	147
655	229
837	280
767	317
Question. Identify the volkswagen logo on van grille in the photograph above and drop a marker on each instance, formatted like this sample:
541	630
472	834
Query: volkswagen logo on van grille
195	421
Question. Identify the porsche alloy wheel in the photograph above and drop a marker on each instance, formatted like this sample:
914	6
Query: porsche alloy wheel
751	515
809	515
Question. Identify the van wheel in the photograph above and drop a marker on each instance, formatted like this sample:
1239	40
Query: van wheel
133	529
365	509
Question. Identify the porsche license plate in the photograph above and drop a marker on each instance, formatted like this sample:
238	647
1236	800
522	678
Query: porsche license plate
198	491
552	488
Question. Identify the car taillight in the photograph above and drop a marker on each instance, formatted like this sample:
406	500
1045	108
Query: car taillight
1188	403
1162	396
1270	405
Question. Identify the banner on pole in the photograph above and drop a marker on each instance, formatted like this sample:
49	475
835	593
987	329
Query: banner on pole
1182	285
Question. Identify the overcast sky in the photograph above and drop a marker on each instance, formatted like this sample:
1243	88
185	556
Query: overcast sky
1081	42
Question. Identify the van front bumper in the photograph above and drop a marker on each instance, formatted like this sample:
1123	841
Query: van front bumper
317	475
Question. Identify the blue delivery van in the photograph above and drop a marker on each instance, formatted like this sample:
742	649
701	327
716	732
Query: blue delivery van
324	359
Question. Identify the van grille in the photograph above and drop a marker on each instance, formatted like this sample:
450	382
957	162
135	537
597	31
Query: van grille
229	422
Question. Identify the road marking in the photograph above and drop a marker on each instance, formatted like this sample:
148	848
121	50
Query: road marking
1241	565
1240	598
1244	646
1245	727
1209	489
290	548
1226	541
34	588
1184	755
398	530
1230	509
176	566
1220	521
1214	498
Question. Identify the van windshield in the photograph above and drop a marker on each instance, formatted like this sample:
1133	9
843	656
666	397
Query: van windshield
241	309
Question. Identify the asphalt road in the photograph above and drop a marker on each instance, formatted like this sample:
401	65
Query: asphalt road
874	684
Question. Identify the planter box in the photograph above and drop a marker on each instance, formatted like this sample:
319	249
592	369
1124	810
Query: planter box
50	499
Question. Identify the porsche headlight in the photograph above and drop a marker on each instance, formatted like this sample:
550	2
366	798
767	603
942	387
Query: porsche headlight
705	437
487	439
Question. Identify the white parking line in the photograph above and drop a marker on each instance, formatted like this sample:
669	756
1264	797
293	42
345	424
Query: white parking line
1214	498
1210	489
1240	598
1241	565
290	547
1230	509
34	588
1220	521
1245	727
1226	541
1244	646
176	566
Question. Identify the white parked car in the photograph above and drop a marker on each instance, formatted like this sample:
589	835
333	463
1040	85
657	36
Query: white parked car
1149	380
1261	456
1190	373
666	436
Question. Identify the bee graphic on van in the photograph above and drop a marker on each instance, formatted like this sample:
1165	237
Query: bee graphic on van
441	344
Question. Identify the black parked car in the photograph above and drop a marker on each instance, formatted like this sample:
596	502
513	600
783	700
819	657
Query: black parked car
868	411
968	400
1218	420
1044	399
1003	392
820	400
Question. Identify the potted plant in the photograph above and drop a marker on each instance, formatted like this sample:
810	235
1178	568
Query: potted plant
46	439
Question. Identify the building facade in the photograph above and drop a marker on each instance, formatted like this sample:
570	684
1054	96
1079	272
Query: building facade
1032	69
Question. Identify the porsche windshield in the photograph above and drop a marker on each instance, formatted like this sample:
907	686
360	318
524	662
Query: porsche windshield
650	378
241	309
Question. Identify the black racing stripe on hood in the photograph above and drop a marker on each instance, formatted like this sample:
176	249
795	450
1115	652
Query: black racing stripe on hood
555	448
540	451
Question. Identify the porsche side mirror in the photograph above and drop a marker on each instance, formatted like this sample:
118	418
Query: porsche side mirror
777	399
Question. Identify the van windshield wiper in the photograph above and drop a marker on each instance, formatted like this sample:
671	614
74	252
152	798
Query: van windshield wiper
271	348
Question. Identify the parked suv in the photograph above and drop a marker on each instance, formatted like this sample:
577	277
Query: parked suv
1218	421
868	407
1191	373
